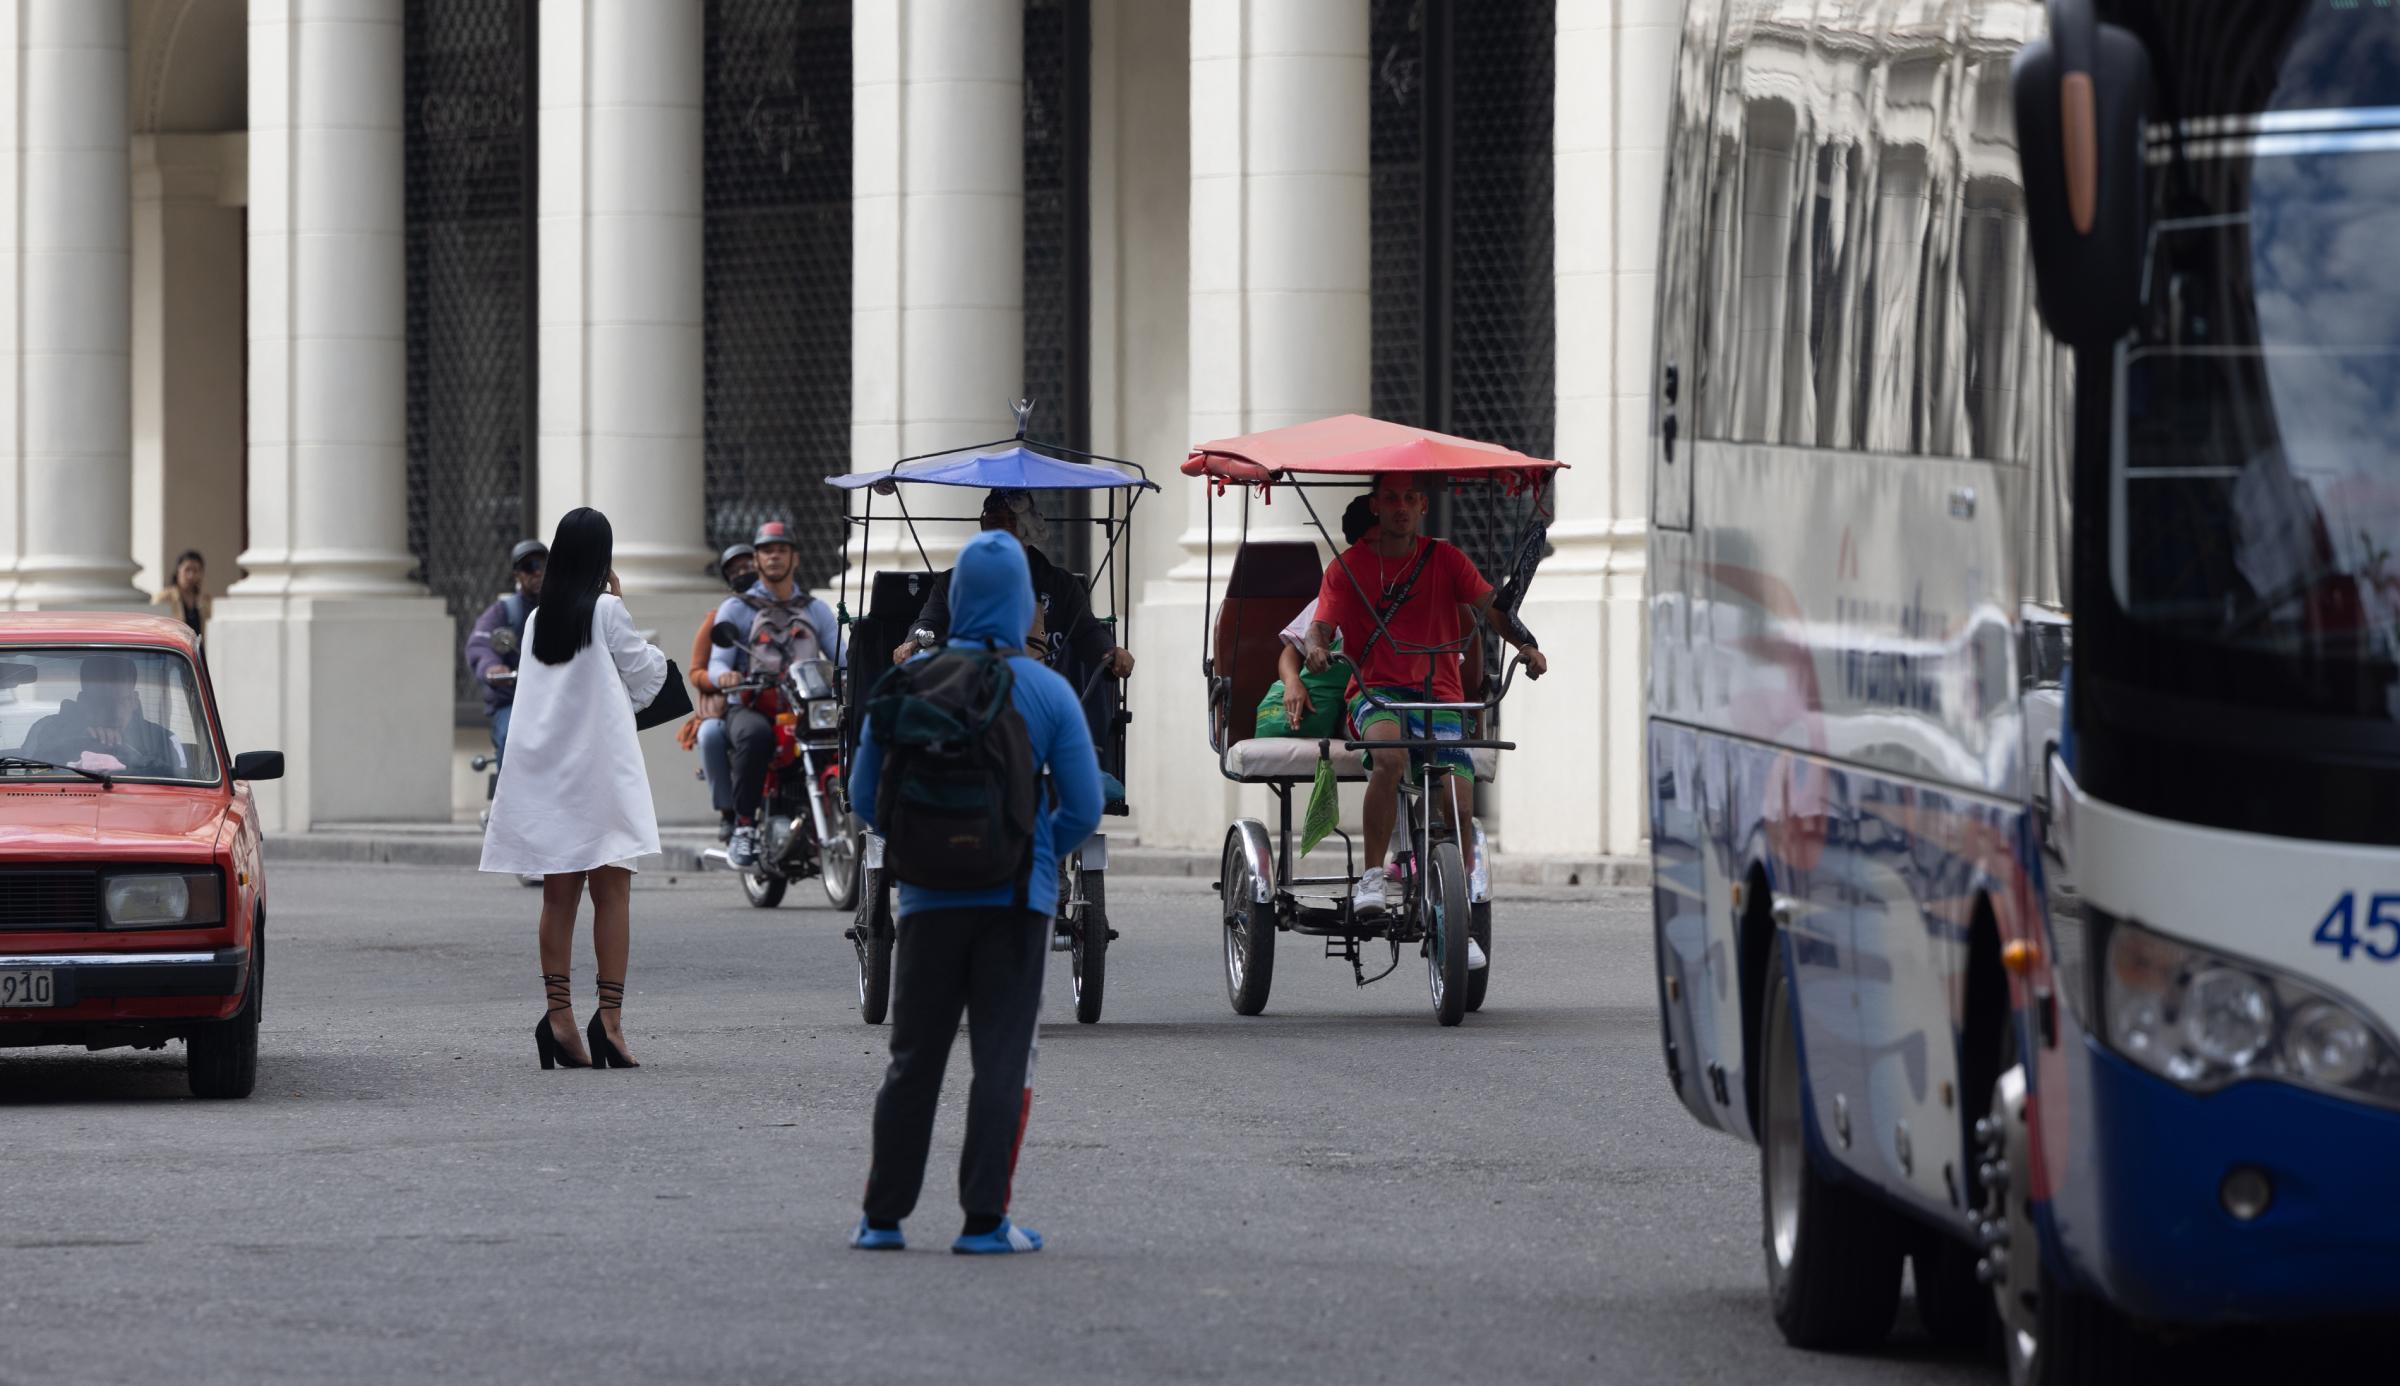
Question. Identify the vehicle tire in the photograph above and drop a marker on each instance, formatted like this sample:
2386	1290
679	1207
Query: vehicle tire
1833	1254
221	1057
1952	1303
763	891
1090	950
2050	1335
1249	932
1448	920
873	935
837	859
1481	932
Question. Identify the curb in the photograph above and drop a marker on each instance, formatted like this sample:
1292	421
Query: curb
462	849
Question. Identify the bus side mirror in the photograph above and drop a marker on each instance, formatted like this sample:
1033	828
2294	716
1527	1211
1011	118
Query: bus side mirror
2080	95
724	635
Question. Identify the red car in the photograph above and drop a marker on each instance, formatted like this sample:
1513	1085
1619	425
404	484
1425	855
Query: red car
132	904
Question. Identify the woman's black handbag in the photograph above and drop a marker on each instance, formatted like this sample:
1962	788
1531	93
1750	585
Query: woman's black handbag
673	703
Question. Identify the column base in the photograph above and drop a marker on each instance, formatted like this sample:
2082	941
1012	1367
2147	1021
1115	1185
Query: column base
355	691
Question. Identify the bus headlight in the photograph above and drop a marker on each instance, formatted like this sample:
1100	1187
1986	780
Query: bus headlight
2205	1020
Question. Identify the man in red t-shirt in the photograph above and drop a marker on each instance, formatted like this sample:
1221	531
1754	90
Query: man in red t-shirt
1419	584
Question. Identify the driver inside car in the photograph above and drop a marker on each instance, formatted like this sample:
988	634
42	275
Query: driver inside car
102	728
1390	600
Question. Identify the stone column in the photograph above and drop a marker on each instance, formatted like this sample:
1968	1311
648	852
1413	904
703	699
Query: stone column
1279	326
327	650
621	376
621	403
1587	718
937	306
70	414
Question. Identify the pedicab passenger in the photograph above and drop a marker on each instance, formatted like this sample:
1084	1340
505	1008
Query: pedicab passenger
1065	635
1418	586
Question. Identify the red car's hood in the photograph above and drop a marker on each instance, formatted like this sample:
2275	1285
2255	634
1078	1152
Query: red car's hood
84	820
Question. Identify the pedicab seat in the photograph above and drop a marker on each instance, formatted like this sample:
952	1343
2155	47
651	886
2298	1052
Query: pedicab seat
1269	584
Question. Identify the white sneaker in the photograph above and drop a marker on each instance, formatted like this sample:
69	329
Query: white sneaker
1476	961
1367	896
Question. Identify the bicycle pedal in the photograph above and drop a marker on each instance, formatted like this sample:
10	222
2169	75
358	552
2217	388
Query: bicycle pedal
851	934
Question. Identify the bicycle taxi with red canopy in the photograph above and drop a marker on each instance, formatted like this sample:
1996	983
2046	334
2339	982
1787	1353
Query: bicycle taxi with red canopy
1271	581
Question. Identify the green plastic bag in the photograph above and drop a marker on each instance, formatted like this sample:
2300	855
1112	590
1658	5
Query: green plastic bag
1324	809
1324	706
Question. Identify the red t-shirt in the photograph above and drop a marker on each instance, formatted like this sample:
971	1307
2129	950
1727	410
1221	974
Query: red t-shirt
1428	619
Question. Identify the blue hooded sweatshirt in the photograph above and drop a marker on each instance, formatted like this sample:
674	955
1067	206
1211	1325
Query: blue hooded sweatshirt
991	599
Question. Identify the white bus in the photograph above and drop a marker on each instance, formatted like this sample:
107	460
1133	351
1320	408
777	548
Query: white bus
1991	333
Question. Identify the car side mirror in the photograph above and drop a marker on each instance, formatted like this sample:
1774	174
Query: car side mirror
2080	95
724	635
258	765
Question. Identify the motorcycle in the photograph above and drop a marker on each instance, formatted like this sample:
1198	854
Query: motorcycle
805	824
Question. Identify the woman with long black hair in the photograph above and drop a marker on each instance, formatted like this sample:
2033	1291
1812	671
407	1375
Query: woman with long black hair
573	804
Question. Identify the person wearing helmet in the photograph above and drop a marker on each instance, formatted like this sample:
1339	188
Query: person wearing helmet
749	733
493	647
704	730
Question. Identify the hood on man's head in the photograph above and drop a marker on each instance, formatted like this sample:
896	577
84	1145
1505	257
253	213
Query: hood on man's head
991	590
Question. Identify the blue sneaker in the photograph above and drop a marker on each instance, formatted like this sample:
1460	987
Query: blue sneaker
865	1238
1003	1240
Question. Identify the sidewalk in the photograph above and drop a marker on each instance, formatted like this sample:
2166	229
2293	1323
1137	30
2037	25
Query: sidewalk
460	846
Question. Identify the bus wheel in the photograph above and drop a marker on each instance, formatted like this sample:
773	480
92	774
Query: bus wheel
1833	1255
2052	1336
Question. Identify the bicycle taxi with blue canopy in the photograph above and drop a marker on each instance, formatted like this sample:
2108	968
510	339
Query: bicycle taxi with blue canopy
1271	581
900	604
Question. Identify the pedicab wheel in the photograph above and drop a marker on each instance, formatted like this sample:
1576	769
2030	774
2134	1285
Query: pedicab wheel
221	1056
1249	932
1481	931
1833	1254
1090	946
1447	921
763	891
872	934
837	859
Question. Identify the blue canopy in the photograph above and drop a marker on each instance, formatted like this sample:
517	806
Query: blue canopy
1010	467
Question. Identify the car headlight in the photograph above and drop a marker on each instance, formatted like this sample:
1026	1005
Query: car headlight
2205	1020
824	715
162	900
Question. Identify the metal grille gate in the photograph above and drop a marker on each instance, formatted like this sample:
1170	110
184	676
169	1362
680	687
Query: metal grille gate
1058	247
1465	332
776	192
468	139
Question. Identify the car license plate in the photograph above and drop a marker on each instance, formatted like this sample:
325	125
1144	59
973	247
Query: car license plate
26	988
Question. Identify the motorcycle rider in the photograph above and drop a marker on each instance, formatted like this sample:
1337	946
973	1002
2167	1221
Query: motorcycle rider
495	665
749	733
738	566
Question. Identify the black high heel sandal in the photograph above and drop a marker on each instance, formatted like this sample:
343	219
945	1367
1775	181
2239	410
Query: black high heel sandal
545	1042
605	1053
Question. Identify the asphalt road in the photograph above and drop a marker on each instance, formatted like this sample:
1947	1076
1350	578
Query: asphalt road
1337	1191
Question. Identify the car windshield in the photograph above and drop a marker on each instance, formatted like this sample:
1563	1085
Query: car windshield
2256	497
124	712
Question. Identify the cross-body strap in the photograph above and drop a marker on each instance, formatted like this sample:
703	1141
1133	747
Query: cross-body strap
1397	598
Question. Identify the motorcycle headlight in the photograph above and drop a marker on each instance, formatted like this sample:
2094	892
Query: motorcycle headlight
2205	1020
824	715
162	900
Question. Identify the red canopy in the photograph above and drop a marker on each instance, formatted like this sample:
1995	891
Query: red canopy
1349	445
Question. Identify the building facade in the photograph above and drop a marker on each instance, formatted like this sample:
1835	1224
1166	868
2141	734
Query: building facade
352	294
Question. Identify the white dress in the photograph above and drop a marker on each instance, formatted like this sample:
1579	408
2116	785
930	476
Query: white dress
574	793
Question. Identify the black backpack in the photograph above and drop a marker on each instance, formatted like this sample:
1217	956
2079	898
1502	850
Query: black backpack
958	794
